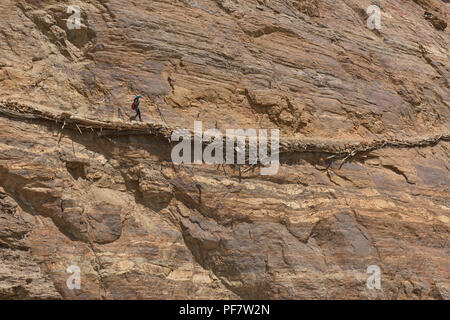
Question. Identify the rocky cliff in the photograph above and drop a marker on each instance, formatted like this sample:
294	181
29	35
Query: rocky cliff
364	122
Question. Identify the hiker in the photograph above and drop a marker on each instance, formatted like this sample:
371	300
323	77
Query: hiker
135	106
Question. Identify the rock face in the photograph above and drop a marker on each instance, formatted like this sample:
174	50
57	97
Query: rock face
112	203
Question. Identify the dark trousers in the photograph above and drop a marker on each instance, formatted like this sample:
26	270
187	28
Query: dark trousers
138	113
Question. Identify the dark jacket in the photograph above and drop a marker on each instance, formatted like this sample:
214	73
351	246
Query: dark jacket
136	103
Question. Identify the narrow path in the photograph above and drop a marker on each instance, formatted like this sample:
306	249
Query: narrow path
335	148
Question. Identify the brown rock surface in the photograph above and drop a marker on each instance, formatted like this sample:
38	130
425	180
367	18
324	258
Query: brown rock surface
364	178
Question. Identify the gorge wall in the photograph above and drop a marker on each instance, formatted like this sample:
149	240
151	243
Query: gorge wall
82	185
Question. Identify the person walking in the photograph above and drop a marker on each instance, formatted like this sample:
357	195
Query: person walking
135	106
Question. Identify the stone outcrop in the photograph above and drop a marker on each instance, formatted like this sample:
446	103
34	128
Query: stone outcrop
363	180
